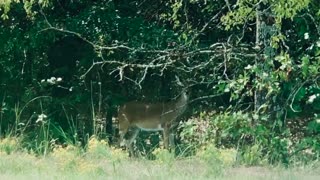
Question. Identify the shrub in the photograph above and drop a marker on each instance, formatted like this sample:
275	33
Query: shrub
256	139
9	145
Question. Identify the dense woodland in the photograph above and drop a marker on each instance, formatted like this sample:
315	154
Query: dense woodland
252	68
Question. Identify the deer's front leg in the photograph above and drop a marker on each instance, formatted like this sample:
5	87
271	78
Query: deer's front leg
123	129
131	136
166	135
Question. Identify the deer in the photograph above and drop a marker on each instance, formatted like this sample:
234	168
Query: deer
160	116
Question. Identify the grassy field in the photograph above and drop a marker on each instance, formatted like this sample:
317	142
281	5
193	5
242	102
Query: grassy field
99	161
24	166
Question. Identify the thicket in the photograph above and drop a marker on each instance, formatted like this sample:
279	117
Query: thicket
252	68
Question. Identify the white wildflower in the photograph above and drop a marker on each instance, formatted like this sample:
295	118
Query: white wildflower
311	98
248	67
52	80
306	35
41	118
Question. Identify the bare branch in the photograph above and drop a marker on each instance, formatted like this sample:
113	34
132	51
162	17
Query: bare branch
226	59
161	59
205	97
228	4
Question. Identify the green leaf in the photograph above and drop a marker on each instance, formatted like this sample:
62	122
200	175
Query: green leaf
300	94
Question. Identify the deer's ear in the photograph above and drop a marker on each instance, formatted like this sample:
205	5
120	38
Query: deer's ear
188	92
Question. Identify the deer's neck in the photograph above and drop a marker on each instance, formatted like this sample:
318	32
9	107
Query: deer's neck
181	103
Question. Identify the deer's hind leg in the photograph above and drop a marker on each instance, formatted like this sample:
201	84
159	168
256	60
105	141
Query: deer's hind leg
172	145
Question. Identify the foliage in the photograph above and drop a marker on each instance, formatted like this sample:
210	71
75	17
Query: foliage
256	141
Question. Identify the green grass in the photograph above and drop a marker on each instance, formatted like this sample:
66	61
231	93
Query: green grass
26	166
99	161
21	166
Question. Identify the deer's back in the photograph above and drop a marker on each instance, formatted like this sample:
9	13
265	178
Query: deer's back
136	112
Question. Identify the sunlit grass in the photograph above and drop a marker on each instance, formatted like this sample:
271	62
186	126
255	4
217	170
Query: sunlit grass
100	161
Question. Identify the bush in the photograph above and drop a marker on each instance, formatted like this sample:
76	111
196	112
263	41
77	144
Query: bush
256	140
9	145
224	130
